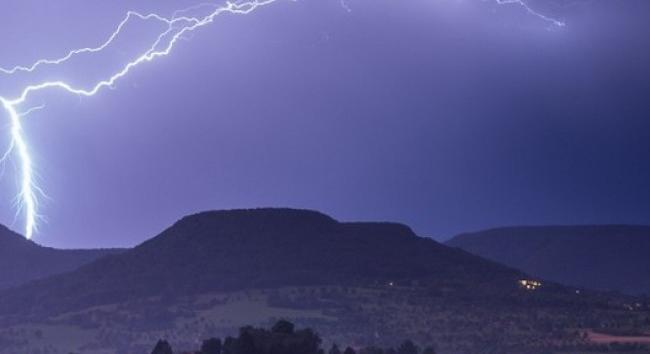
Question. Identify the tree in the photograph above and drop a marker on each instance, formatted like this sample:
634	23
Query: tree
246	341
211	346
349	350
335	349
229	346
283	327
408	347
162	347
429	350
371	350
304	341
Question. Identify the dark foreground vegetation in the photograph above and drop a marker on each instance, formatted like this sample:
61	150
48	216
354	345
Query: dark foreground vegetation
283	338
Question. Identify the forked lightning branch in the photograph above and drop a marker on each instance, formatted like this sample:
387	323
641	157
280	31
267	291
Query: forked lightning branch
175	28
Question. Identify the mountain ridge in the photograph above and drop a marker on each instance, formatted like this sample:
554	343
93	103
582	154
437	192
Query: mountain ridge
367	283
23	260
603	257
255	248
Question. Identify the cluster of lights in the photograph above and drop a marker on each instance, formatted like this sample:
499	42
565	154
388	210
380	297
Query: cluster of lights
530	284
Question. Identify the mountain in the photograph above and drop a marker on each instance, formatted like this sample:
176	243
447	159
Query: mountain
22	260
252	249
359	283
608	257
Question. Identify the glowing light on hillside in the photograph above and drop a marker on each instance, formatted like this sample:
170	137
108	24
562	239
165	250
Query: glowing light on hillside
530	284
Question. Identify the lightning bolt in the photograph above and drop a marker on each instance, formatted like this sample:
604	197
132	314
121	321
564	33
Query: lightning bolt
177	27
531	11
345	6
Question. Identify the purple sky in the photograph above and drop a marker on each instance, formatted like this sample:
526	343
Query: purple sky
449	116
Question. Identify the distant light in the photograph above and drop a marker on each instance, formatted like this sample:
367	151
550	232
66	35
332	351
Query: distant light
530	284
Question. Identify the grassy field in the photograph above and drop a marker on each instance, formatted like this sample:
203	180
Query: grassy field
345	315
100	330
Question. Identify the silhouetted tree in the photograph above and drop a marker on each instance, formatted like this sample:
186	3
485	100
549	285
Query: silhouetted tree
229	346
211	346
429	350
304	341
246	341
283	338
408	347
162	347
335	349
371	350
283	327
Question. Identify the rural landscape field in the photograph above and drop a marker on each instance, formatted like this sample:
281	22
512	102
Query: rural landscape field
325	177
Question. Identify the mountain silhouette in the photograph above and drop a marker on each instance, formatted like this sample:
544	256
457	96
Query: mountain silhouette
260	248
366	283
606	257
22	260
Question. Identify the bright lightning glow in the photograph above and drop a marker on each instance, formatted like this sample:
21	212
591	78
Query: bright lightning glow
27	196
176	28
345	6
530	10
114	35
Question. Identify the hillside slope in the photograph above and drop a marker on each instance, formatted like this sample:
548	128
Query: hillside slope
608	257
263	248
22	260
360	283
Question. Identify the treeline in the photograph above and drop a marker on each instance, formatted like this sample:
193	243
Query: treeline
283	338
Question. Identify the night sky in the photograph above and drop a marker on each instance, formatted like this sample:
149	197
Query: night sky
447	115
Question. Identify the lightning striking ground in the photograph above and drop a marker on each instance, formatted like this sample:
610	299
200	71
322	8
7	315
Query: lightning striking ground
177	27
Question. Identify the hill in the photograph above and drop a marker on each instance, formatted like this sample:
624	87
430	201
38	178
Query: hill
253	249
361	283
607	257
22	260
